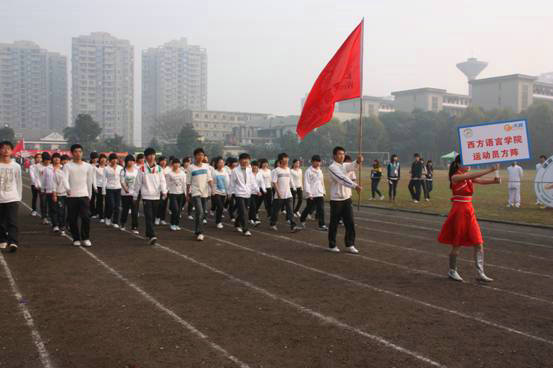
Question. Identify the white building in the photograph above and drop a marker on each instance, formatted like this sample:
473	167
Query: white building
102	74
174	77
33	87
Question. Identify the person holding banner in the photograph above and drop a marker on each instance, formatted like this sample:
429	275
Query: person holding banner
461	228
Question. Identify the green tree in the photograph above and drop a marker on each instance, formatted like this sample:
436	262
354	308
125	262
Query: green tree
7	134
187	140
85	132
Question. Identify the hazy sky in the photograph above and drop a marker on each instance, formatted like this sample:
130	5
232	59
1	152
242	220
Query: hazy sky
263	56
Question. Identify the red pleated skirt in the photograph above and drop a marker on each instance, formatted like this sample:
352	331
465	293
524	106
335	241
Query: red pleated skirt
461	227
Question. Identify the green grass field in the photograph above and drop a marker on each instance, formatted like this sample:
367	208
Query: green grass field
490	201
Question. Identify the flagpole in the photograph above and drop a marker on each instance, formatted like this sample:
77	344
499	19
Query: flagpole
360	135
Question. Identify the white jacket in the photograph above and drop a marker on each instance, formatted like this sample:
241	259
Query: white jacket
113	177
340	183
313	183
56	181
241	188
150	182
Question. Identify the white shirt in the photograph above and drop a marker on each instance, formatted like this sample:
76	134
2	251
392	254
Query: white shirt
267	178
150	182
314	185
176	181
34	172
198	178
100	177
80	178
261	181
282	180
243	182
127	179
10	182
113	177
39	173
515	176
539	165
297	178
340	181
56	181
221	181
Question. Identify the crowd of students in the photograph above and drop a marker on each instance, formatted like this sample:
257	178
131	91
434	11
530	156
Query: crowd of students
70	190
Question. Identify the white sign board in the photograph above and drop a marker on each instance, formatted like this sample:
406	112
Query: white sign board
503	141
544	178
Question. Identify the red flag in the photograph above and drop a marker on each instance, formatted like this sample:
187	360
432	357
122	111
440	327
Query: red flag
340	80
19	147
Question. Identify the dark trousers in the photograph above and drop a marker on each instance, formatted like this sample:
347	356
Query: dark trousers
297	195
150	209
392	188
8	222
427	187
200	204
43	205
79	207
57	211
35	193
315	203
232	206
341	210
113	202
176	202
374	187
278	204
100	199
128	203
213	203
415	188
190	205
162	209
268	200
242	207
219	206
93	211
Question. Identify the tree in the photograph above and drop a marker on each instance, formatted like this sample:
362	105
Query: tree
7	134
169	125
187	140
115	144
85	132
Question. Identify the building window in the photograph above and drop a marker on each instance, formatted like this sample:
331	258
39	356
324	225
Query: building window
525	93
434	103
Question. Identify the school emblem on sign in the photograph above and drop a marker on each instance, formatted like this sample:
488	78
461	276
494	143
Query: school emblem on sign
467	133
544	177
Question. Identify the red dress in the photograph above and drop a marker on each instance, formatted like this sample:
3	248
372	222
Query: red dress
461	227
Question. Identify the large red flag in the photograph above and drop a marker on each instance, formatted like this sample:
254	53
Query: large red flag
341	79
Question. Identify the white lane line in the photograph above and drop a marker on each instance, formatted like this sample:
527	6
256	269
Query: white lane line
324	318
187	325
374	288
407	268
37	339
512	241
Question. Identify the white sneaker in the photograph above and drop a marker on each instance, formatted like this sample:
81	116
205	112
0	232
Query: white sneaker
164	222
56	229
178	228
509	205
427	199
34	214
204	221
295	229
247	233
94	217
352	250
3	245
135	231
334	250
200	237
239	229
108	222
87	243
309	217
301	225
381	198
76	243
517	205
454	275
122	228
482	277
371	199
102	221
173	228
45	221
323	228
152	240
12	248
415	201
62	233
190	217
274	227
115	226
219	225
252	222
156	222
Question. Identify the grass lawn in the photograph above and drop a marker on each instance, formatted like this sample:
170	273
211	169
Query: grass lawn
490	201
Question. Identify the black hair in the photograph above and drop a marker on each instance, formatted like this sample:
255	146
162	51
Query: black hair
93	155
316	158
140	156
336	149
544	157
186	159
392	158
416	155
428	162
56	155
112	156
376	163
255	163
6	143
38	155
149	151
102	155
76	146
347	158
244	156
281	156
64	157
294	161
454	167
263	161
199	150
175	161
162	158
129	158
45	156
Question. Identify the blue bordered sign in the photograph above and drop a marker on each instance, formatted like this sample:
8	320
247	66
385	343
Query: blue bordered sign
495	142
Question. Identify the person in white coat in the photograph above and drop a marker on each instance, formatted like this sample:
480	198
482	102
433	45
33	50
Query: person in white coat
515	173
243	184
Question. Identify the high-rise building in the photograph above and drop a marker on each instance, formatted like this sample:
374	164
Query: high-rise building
33	87
174	77
103	85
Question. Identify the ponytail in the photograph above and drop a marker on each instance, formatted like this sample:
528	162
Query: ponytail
454	167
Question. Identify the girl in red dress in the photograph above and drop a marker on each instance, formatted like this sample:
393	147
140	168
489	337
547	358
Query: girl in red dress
461	228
